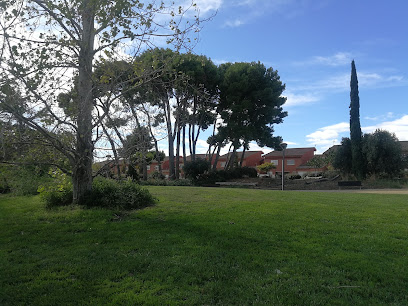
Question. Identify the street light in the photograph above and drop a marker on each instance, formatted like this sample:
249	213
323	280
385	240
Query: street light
283	146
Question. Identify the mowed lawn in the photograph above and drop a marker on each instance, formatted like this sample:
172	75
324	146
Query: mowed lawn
206	246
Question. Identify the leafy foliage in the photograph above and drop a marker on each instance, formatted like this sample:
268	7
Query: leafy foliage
58	192
22	180
251	102
193	169
265	167
343	159
355	127
109	193
45	42
211	177
106	193
382	153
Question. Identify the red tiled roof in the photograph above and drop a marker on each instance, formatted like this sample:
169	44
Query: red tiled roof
292	152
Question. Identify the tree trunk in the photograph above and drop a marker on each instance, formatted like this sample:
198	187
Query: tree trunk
184	145
242	156
227	163
177	166
144	166
115	153
82	169
217	157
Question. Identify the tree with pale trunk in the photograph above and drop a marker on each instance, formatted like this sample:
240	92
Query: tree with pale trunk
47	45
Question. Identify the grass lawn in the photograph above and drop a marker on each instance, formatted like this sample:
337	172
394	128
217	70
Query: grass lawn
208	246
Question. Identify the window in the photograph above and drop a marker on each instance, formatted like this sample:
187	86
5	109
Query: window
275	162
148	167
156	168
222	164
290	162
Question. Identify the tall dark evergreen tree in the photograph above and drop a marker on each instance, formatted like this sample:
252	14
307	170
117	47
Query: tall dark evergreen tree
355	128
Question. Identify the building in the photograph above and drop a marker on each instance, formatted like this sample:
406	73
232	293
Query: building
251	159
296	160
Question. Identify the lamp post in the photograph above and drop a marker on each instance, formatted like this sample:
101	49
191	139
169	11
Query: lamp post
283	146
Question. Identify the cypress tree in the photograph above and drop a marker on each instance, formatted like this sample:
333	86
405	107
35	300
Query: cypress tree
355	128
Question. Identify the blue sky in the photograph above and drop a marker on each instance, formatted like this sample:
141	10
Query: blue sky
311	43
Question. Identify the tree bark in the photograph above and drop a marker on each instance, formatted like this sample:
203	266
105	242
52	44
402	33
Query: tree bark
82	168
217	156
242	156
177	154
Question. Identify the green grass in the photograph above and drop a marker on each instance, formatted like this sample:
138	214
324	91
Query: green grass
208	246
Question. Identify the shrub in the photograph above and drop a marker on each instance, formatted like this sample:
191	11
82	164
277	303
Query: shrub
157	176
265	167
132	172
4	186
211	177
109	193
251	172
295	177
58	192
153	182
195	168
179	182
22	180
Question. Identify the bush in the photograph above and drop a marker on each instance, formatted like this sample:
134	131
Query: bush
161	182
211	177
157	176
195	168
105	193
153	182
132	172
295	177
4	186
109	193
251	172
58	192
22	180
179	182
265	167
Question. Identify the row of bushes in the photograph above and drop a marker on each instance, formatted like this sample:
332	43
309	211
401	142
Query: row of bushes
106	193
211	177
163	182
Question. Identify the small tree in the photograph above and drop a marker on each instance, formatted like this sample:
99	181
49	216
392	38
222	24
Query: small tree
265	167
355	127
343	159
382	152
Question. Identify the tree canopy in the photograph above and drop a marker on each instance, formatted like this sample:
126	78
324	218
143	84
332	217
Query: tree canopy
48	45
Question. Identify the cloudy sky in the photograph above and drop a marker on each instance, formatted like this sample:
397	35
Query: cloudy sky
311	43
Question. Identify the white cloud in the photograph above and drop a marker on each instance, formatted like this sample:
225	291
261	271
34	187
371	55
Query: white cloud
341	82
327	136
338	59
219	61
234	23
300	99
398	126
242	12
386	116
208	6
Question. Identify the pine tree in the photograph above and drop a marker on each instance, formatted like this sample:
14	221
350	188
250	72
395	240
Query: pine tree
355	128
